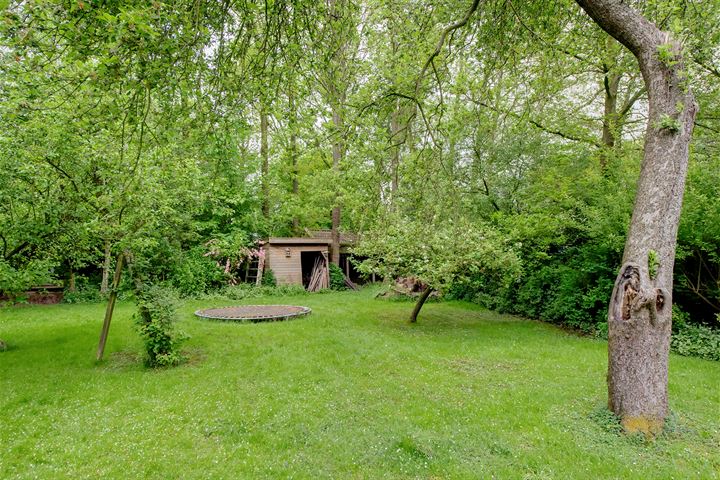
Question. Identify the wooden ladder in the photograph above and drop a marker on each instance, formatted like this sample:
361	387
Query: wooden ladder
252	271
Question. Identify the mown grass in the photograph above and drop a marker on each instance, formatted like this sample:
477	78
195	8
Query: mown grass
351	391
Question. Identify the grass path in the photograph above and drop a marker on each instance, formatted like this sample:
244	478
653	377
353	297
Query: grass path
350	391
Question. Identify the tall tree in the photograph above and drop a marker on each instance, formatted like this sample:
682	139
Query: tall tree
639	317
339	42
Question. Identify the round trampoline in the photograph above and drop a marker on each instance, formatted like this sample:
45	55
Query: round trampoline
254	313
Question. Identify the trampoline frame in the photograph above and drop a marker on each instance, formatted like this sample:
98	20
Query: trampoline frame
254	318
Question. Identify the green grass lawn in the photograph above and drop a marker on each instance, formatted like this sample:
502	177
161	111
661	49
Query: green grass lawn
350	391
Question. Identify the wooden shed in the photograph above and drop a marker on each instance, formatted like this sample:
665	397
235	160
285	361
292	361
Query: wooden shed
293	259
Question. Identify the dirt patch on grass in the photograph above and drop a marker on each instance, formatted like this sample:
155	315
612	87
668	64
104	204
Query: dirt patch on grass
123	360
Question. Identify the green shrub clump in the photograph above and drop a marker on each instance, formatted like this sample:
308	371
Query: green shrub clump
337	278
85	292
193	272
268	278
155	321
694	340
15	281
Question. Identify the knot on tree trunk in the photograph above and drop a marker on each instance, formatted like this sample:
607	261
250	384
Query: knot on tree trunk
633	292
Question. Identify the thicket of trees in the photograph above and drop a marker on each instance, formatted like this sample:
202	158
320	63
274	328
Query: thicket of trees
506	136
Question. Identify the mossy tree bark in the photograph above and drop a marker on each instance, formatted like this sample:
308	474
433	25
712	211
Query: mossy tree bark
639	317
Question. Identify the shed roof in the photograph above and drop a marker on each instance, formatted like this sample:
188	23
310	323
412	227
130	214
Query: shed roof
314	237
298	241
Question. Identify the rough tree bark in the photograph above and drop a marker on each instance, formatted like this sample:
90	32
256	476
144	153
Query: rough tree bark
639	317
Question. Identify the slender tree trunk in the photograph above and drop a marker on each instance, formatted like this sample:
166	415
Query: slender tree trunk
639	317
611	83
110	306
293	155
419	304
106	269
338	152
395	142
71	281
264	154
336	85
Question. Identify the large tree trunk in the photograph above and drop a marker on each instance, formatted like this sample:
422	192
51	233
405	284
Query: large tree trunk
639	317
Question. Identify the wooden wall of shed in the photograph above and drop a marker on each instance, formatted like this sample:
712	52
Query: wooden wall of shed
288	270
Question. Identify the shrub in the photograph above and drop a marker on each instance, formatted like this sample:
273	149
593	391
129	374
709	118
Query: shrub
85	292
194	273
15	281
696	341
156	323
268	278
337	278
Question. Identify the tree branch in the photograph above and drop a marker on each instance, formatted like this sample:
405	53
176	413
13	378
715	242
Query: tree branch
623	24
461	23
631	101
544	128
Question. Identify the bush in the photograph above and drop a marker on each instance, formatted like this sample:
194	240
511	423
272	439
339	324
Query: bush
268	279
15	281
194	273
156	323
85	292
696	341
337	278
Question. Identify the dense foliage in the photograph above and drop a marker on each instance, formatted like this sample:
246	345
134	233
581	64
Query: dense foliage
500	168
337	278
